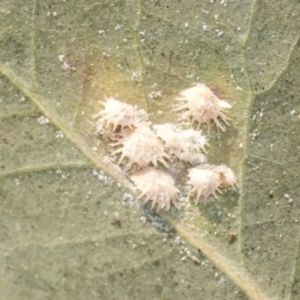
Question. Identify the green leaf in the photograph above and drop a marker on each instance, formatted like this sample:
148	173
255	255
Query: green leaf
71	227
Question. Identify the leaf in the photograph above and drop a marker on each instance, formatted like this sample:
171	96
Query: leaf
70	224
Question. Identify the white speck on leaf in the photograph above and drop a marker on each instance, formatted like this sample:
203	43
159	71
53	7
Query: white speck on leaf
43	120
219	32
59	134
118	27
154	95
61	57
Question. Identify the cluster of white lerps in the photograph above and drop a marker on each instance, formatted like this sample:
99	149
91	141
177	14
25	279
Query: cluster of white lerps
149	146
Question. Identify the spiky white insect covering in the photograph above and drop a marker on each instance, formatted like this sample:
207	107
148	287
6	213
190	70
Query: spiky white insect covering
116	113
184	144
204	182
157	186
226	176
142	147
170	135
193	140
201	105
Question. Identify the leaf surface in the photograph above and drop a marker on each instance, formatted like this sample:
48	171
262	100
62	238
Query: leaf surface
71	227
